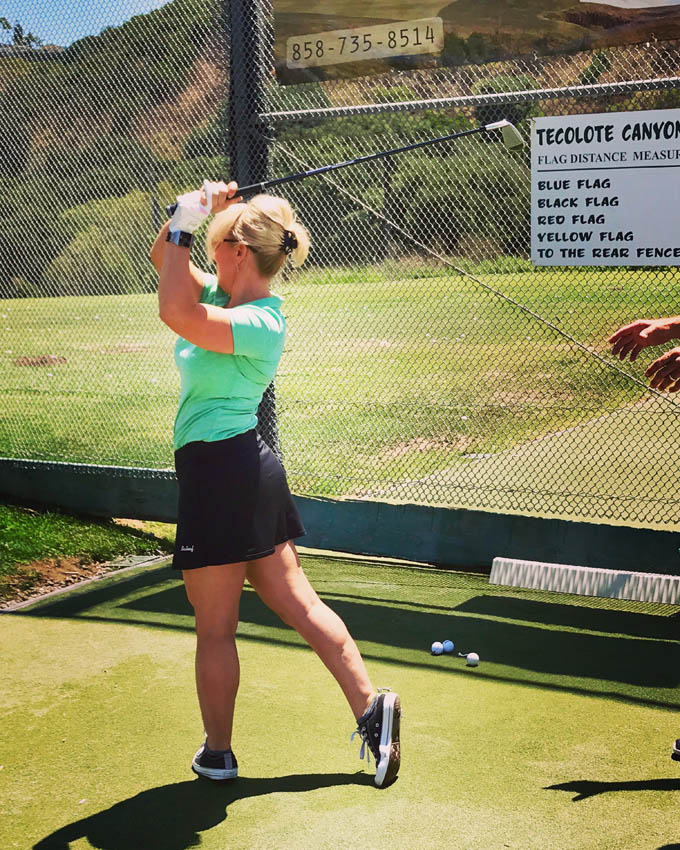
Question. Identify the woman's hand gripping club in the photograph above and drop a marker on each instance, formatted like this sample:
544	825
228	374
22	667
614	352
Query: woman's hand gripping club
194	207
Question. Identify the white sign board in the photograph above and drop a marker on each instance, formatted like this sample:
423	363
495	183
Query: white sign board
605	189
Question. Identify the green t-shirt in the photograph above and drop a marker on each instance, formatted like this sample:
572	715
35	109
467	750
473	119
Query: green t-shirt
220	393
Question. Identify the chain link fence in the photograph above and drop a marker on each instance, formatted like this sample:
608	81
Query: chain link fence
428	361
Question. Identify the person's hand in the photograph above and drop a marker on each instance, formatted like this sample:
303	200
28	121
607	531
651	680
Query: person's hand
218	196
665	371
631	339
190	212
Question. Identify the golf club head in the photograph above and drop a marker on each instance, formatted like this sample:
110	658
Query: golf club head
511	136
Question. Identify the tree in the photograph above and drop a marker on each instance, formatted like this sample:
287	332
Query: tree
476	47
479	201
599	65
19	37
30	224
108	249
205	141
513	112
455	52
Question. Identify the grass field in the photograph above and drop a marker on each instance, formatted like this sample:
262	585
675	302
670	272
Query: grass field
41	546
413	374
559	740
584	472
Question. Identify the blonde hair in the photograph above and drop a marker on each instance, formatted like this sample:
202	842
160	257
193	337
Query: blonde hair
267	225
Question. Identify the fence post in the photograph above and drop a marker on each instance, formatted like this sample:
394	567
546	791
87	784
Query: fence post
250	35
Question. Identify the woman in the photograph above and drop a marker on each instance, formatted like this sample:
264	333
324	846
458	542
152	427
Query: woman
236	517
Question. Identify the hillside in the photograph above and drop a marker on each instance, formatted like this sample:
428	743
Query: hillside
129	80
162	76
90	132
98	137
550	26
610	25
476	31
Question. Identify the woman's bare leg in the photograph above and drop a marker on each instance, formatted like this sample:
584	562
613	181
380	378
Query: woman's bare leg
282	585
214	593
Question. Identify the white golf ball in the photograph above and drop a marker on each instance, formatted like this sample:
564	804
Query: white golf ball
437	648
472	659
448	645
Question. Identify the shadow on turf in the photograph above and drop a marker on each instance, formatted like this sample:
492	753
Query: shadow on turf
585	788
627	647
633	661
596	619
172	816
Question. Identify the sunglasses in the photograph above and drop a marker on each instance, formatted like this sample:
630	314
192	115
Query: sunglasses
254	250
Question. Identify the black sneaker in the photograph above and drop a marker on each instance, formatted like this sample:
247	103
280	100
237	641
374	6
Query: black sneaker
675	754
379	728
215	765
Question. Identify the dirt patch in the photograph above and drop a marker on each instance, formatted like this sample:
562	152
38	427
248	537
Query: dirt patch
40	360
139	524
459	443
608	17
40	577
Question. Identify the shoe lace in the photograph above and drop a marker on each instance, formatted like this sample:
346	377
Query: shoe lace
363	733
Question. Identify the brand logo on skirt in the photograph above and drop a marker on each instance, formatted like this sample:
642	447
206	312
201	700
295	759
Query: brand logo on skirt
187	549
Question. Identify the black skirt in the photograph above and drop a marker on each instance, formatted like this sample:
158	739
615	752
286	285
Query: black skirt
234	502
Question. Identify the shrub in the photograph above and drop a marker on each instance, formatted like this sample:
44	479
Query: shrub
109	250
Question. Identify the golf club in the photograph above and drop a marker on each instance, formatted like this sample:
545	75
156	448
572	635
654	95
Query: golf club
511	139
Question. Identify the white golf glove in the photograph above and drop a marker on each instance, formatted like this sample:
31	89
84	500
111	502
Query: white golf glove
191	211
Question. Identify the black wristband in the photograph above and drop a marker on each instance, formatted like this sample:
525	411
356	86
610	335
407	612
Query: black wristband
181	238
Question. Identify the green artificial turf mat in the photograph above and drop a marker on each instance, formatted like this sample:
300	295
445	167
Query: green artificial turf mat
559	739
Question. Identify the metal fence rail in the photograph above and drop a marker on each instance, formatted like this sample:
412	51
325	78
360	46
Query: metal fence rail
428	361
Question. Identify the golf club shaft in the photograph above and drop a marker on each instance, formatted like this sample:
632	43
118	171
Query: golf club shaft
257	188
292	178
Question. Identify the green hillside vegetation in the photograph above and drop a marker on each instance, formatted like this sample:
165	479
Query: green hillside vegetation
99	137
83	189
71	139
12	68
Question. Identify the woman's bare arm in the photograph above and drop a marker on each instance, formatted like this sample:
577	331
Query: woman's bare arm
157	253
206	325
